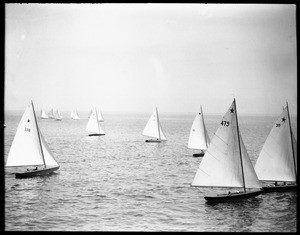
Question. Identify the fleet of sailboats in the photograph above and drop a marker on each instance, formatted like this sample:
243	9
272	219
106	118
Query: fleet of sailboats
277	161
93	125
29	148
226	163
198	138
153	129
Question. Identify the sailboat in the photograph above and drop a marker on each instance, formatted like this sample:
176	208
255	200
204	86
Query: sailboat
100	116
199	138
43	114
51	114
226	163
57	115
74	115
29	148
153	129
93	125
277	161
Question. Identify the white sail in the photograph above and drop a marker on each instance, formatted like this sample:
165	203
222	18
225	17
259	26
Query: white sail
198	138
43	114
100	116
221	164
153	127
48	156
51	114
25	149
57	115
75	115
276	161
93	125
72	114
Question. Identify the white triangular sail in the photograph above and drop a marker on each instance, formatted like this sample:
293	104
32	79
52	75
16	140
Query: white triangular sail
43	114
57	115
153	127
48	156
100	116
25	149
51	114
221	165
75	115
276	161
198	138
93	125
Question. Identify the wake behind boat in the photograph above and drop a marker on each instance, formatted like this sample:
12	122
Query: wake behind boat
277	161
226	163
29	148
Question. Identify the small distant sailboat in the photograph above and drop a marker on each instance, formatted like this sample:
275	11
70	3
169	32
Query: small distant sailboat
43	114
199	138
277	161
153	129
74	115
29	148
100	116
51	114
57	115
226	163
93	125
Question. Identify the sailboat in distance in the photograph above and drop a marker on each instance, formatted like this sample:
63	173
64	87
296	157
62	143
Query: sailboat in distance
51	114
57	115
199	138
29	148
153	129
43	114
74	115
277	161
226	163
93	125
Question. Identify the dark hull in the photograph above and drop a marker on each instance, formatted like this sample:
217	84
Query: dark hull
153	141
280	188
42	172
232	196
198	154
95	134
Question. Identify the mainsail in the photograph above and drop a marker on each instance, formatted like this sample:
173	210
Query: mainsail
153	127
93	125
100	116
199	138
43	114
29	146
57	115
226	162
277	160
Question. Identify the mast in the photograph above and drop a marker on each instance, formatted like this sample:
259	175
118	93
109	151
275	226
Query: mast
158	123
291	135
38	131
238	132
203	126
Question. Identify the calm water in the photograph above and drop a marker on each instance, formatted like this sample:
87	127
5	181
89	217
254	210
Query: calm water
117	182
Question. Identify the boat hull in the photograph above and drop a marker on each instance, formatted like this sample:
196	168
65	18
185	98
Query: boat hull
95	134
198	154
280	188
152	141
232	196
34	173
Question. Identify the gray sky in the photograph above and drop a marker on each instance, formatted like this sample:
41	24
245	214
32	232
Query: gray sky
134	57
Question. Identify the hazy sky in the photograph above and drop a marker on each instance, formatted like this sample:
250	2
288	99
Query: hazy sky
134	57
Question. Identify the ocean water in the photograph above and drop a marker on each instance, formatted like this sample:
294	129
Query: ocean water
118	182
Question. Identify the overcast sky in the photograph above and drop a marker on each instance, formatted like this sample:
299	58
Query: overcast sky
134	57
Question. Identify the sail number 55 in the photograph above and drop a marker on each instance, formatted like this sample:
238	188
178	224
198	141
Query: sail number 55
225	123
